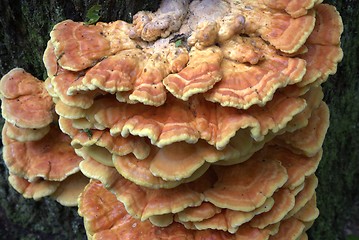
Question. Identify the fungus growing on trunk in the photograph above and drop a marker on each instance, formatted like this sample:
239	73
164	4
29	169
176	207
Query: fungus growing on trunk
202	120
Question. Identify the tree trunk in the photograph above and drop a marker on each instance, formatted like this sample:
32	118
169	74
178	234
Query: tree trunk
24	31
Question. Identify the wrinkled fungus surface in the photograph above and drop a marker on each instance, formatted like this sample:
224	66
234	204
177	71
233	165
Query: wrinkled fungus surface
202	120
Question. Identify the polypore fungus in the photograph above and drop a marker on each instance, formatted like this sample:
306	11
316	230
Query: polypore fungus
25	101
51	158
202	120
36	190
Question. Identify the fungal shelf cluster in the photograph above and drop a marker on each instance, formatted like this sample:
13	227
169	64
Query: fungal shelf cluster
202	120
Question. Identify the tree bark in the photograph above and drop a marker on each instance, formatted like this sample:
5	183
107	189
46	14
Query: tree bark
24	31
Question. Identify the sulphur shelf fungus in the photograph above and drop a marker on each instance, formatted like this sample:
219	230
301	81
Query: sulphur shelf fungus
202	120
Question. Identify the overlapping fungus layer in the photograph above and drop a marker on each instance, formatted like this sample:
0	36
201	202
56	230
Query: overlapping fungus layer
202	120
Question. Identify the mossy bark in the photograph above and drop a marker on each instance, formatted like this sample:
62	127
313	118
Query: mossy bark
24	31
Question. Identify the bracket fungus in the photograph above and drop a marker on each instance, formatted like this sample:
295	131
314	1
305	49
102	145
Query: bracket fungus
202	120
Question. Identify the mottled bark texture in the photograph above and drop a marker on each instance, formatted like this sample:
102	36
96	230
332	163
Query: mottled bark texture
24	31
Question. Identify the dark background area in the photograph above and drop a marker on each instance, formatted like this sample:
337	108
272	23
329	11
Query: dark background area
24	32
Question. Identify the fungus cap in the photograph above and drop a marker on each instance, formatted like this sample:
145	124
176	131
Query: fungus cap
137	73
78	46
244	84
298	166
295	8
25	134
181	161
138	171
51	158
62	82
309	212
35	190
304	196
246	186
196	214
118	145
196	119
289	229
103	222
284	201
50	60
324	51
70	189
99	172
202	72
308	141
25	102
229	220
